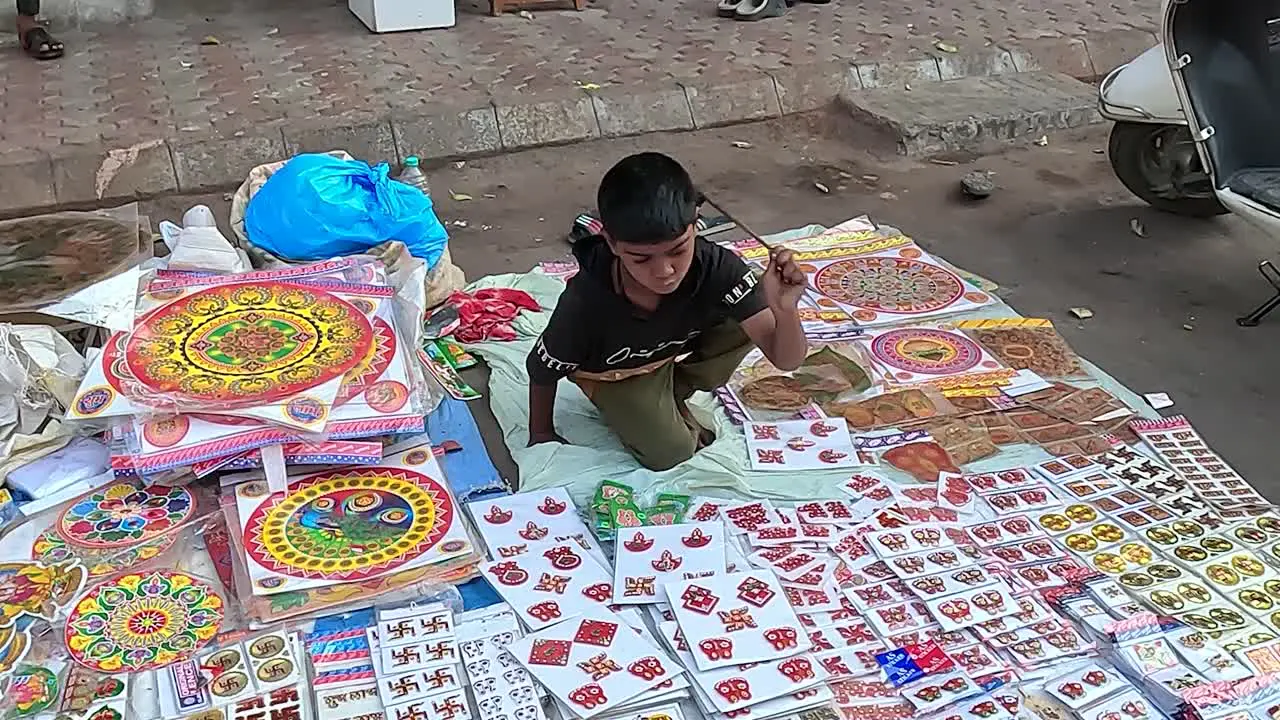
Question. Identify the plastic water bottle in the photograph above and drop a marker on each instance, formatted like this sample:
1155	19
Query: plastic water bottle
413	175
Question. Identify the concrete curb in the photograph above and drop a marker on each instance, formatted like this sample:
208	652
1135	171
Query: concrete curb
89	175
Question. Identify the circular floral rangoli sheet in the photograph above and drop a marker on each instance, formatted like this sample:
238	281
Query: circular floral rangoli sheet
122	515
247	343
141	621
50	547
901	286
926	351
349	525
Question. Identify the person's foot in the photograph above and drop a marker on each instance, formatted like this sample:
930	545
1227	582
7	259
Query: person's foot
705	436
36	41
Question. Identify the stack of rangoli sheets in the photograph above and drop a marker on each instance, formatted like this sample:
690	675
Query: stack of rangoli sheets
307	359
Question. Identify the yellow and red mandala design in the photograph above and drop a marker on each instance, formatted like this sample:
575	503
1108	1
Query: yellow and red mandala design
349	524
247	343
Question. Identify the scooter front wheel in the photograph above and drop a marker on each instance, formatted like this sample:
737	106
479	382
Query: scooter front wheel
1159	164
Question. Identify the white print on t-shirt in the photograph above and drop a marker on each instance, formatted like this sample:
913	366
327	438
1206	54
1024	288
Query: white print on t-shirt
627	353
741	290
557	366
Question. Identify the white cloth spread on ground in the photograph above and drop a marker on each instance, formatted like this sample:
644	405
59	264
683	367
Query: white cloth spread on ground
722	469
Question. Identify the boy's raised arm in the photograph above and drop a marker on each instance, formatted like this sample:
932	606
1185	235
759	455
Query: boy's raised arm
777	330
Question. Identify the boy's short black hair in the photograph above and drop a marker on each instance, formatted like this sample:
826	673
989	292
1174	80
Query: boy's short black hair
647	198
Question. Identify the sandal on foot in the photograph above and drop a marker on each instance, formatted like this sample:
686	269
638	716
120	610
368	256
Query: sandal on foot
726	9
40	45
751	10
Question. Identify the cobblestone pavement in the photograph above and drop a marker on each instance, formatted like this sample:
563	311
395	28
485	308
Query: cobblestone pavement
295	60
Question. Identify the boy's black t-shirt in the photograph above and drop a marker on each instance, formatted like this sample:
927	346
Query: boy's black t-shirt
596	329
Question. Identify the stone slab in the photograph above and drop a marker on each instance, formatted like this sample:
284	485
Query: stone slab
750	98
556	120
445	132
811	87
216	163
1112	48
978	113
899	75
975	62
623	111
1068	56
91	175
27	180
372	142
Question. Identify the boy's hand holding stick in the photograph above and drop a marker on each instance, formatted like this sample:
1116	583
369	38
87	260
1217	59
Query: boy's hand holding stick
784	281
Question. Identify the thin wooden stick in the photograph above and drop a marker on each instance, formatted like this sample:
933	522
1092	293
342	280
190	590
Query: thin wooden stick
768	246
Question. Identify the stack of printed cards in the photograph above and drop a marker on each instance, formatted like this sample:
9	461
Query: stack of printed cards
501	687
766	689
551	585
528	523
802	445
647	558
230	675
736	619
595	662
257	678
419	672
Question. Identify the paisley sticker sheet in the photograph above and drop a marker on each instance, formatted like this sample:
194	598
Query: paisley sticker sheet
511	524
735	619
800	445
546	588
595	662
733	688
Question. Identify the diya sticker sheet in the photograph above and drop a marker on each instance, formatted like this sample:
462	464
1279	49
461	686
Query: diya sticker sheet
350	524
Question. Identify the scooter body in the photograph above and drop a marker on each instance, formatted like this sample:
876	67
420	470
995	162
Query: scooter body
1225	61
1142	91
1151	149
1220	152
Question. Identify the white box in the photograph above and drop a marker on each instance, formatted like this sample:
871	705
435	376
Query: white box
396	15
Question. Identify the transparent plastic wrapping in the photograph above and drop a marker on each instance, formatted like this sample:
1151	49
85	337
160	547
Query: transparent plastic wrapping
830	373
124	525
899	408
50	258
277	343
95	558
307	551
381	393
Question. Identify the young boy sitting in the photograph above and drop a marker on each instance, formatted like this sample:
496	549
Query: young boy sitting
655	313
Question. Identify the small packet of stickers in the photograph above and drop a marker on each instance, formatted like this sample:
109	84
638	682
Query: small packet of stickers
669	509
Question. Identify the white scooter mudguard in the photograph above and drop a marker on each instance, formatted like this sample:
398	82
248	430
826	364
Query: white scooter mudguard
1142	91
1225	56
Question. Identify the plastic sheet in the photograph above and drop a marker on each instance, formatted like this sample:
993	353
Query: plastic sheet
319	206
49	258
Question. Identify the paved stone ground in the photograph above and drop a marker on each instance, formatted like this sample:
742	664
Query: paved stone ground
302	60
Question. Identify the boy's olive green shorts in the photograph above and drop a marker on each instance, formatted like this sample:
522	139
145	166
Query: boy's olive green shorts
647	411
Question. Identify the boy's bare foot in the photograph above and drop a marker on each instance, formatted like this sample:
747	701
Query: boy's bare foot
705	436
36	41
540	438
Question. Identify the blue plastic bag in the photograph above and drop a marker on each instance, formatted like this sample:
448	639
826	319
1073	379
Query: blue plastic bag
318	206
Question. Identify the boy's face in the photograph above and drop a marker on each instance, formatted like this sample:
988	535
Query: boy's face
660	267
